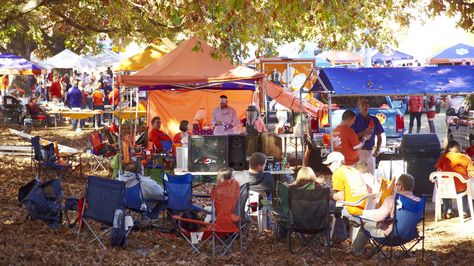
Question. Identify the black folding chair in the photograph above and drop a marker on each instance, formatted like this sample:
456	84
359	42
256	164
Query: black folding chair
309	217
103	198
242	211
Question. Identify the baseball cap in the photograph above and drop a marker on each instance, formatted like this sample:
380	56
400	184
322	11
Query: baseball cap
334	156
223	96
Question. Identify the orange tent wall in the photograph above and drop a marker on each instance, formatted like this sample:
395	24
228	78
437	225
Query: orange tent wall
174	106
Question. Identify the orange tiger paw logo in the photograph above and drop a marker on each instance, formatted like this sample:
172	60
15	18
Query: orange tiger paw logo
381	117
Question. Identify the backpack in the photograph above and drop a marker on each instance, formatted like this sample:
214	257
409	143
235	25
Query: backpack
118	234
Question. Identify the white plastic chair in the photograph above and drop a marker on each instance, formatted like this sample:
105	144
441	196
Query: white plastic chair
260	213
445	189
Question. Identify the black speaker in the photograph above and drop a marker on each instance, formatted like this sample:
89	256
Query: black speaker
421	152
237	156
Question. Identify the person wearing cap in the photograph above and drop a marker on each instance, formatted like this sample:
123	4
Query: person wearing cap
345	139
347	182
254	123
369	126
224	118
88	91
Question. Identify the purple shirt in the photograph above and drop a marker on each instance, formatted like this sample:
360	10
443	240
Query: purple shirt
361	123
74	97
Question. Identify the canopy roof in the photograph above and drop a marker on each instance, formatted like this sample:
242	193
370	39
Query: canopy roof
69	59
455	54
107	58
191	63
338	58
397	81
390	55
11	64
143	58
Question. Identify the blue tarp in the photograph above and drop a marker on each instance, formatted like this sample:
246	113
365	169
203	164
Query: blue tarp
391	55
455	54
13	64
397	80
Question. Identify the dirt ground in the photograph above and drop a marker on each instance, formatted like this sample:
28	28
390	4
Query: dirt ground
24	241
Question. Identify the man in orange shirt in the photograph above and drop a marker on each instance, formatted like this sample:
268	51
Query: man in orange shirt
346	140
98	104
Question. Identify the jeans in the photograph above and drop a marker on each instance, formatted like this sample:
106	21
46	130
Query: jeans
414	115
448	205
98	118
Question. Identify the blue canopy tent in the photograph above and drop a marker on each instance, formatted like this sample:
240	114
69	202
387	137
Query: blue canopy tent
458	53
393	81
11	64
390	55
396	81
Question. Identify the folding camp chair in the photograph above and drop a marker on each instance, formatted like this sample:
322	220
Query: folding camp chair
101	152
102	199
46	162
281	211
241	209
309	217
408	213
224	227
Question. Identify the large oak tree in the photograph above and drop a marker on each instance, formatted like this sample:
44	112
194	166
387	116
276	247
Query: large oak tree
52	25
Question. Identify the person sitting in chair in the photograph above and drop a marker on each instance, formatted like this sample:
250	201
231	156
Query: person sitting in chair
307	179
260	181
182	136
379	222
34	109
156	135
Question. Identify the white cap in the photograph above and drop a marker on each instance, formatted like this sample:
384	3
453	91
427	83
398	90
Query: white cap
334	156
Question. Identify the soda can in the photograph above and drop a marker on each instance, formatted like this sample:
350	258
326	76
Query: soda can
270	166
277	166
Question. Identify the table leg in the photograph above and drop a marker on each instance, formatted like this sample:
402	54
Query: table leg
296	148
80	165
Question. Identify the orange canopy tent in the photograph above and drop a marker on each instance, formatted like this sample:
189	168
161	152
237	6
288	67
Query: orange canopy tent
190	79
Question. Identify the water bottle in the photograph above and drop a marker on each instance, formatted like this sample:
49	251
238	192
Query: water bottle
118	218
143	208
283	163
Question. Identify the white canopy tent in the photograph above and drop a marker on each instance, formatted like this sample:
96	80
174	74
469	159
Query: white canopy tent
69	59
105	59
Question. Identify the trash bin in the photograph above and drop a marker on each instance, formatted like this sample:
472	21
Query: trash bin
420	153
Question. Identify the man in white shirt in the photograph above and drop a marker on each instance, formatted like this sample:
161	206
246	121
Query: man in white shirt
224	118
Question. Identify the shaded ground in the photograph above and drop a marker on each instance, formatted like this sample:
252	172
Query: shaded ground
23	241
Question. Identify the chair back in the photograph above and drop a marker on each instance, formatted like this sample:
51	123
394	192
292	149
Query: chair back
167	145
282	192
241	205
309	209
95	139
133	197
178	189
103	197
225	197
408	213
386	188
35	142
444	183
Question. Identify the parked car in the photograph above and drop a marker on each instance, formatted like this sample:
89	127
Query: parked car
389	116
461	128
402	104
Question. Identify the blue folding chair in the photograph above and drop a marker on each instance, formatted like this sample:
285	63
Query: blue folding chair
103	197
408	213
135	202
179	193
46	161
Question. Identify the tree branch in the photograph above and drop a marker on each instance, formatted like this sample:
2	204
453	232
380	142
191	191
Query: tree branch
80	27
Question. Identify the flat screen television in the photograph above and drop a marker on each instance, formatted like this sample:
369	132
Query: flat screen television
207	153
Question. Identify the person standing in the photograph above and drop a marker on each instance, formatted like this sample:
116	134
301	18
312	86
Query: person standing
74	99
182	136
55	90
224	118
431	112
345	139
98	104
415	104
368	125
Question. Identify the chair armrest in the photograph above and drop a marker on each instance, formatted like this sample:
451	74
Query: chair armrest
357	203
176	217
201	196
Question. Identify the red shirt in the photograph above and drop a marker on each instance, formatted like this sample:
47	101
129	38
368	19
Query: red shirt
345	139
416	103
98	98
115	95
156	136
55	90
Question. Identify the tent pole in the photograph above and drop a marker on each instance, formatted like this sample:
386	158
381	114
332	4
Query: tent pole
136	115
303	146
119	137
330	121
